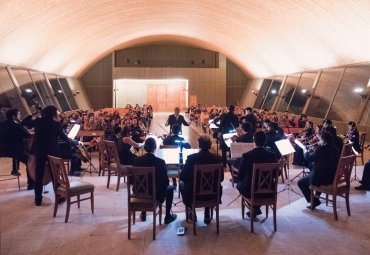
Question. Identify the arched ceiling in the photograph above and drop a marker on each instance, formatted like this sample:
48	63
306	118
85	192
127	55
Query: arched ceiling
263	37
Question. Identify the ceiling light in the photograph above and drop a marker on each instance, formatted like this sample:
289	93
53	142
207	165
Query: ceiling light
60	91
304	91
28	90
273	91
358	90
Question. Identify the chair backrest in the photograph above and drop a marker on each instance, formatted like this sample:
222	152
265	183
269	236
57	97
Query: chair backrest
347	150
344	170
362	140
59	171
112	152
143	184
207	180
265	180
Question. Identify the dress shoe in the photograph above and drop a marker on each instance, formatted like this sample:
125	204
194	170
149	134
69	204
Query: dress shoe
143	216
256	213
38	202
15	173
363	187
30	187
169	218
316	203
207	216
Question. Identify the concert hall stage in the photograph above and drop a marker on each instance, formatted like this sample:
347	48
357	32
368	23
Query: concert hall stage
27	229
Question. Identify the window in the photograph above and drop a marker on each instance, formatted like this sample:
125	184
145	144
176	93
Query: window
288	91
29	91
42	86
68	93
302	93
58	92
366	117
324	92
9	97
262	93
347	101
272	93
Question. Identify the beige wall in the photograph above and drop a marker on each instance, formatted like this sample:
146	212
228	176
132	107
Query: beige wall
82	99
248	98
207	84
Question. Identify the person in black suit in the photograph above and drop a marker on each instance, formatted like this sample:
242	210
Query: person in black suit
176	119
204	156
13	137
324	161
229	122
354	136
258	155
251	118
164	191
47	132
247	137
175	139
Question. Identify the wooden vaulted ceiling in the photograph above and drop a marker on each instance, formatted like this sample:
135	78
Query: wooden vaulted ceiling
264	38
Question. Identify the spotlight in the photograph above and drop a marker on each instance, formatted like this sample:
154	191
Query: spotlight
28	90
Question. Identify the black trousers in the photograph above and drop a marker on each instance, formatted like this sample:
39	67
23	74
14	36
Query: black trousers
168	198
366	175
40	168
21	156
304	185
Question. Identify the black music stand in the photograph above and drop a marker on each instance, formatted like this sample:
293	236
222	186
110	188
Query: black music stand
285	148
303	172
90	165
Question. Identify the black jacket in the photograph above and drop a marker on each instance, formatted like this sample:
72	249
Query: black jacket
12	138
187	174
228	122
257	155
245	138
161	178
324	162
47	132
180	120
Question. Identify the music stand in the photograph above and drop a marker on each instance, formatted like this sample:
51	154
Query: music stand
355	178
303	147
286	148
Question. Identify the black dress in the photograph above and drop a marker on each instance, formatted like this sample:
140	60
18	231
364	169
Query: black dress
126	157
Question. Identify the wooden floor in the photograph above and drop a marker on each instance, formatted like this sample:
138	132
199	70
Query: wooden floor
27	229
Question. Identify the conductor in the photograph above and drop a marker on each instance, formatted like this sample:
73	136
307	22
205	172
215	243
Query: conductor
176	119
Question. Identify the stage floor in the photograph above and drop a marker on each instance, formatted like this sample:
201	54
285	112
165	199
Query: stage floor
27	229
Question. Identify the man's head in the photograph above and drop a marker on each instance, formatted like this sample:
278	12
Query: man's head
177	110
13	114
247	127
204	142
231	108
176	129
327	123
259	138
326	138
50	112
150	145
249	109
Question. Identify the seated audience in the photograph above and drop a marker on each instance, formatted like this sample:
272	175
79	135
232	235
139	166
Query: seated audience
258	155
204	156
164	191
324	160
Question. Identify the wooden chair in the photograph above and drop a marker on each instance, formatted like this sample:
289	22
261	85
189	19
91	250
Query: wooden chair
103	162
340	187
173	171
362	145
64	188
206	190
143	195
347	150
263	191
114	165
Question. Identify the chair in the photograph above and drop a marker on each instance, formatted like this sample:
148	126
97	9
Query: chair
173	171
16	162
362	145
143	195
206	190
103	163
263	191
64	188
347	150
340	186
114	165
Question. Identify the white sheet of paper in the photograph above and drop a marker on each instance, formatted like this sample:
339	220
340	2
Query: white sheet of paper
297	142
227	138
238	149
285	147
74	131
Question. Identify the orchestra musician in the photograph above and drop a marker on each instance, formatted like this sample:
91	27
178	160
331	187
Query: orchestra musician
323	161
247	135
251	118
176	118
124	145
353	136
47	132
13	137
305	135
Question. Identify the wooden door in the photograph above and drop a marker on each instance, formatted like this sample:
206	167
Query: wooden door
152	95
161	97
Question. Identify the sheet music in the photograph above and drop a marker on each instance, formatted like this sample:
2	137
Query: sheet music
238	149
74	131
297	142
285	147
227	138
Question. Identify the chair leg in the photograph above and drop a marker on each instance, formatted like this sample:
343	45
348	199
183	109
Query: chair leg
286	172
133	217
217	218
211	213
92	202
243	208
274	216
267	211
347	204
193	219
362	156
129	225
154	222
109	175
335	206
118	180
68	208
160	214
78	201
251	211
56	206
19	184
